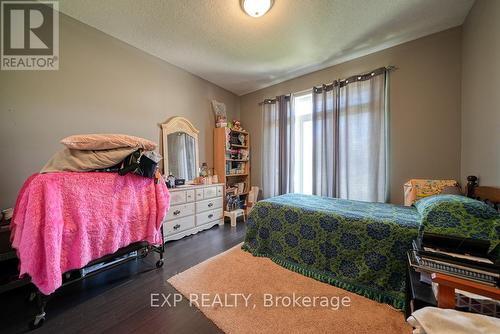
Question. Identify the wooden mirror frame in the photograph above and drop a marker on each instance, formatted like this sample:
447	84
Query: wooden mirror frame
172	125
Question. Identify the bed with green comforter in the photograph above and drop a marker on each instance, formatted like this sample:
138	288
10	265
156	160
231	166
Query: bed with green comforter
357	246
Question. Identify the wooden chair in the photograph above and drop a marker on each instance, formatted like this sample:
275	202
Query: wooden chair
252	198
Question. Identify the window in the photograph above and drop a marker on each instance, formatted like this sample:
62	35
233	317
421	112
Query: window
355	128
303	151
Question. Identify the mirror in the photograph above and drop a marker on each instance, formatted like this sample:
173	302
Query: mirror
180	148
181	155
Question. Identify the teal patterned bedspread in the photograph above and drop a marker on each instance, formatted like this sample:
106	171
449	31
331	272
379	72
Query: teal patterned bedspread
357	246
461	217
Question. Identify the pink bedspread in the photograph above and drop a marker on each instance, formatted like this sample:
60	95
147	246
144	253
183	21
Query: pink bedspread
62	221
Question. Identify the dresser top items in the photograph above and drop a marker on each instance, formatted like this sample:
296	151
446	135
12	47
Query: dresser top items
194	186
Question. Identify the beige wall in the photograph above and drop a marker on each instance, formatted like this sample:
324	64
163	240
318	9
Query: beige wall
481	93
425	106
444	109
103	85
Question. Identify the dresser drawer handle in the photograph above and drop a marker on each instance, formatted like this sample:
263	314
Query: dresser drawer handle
211	215
177	212
176	226
210	205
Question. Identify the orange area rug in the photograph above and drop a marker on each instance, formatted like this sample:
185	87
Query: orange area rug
241	293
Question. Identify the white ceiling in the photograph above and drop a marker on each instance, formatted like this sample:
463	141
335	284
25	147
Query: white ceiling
215	40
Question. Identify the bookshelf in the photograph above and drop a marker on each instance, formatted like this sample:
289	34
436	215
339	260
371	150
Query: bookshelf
232	162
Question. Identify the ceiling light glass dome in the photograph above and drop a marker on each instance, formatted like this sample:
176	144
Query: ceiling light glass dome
256	8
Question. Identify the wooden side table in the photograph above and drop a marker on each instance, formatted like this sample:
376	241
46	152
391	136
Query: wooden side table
448	284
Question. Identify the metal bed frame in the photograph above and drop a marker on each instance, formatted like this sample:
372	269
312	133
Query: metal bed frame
142	249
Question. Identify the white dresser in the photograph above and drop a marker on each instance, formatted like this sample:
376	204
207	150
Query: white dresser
193	208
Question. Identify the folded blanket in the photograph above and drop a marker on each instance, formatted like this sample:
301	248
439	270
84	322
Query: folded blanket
433	320
416	189
62	221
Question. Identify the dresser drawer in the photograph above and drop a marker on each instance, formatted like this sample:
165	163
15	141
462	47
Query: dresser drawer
178	225
208	216
182	196
209	192
209	204
190	195
177	197
177	211
199	194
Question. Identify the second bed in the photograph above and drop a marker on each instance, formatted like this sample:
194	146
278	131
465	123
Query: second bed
357	246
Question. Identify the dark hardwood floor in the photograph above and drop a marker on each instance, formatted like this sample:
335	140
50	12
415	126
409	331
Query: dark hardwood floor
118	300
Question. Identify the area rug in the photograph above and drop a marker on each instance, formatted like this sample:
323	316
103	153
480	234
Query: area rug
241	293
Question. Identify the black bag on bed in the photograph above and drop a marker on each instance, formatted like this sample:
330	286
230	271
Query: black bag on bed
143	164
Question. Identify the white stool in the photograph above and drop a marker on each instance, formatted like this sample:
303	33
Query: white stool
234	215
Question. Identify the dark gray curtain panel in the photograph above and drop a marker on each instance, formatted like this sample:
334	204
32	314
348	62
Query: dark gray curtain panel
286	144
350	138
277	147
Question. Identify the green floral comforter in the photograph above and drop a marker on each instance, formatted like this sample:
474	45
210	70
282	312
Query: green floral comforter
357	246
361	246
461	217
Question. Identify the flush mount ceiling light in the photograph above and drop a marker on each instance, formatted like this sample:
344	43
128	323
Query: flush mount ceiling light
256	8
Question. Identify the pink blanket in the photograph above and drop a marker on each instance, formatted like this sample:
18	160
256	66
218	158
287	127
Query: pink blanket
62	221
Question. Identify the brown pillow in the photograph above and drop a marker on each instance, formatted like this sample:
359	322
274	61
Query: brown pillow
85	160
451	190
106	142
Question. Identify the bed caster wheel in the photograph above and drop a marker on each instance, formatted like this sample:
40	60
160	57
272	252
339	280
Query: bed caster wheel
143	253
159	263
38	321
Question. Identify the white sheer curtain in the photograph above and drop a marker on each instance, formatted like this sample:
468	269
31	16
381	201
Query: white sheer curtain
325	139
362	140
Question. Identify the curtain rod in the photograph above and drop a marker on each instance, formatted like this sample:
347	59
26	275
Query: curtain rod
271	101
343	82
